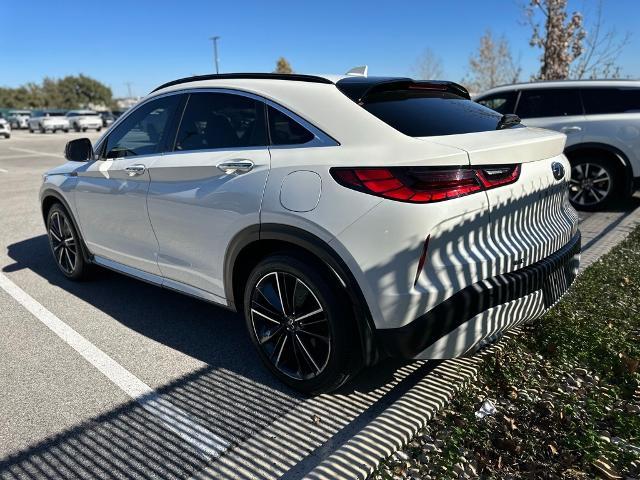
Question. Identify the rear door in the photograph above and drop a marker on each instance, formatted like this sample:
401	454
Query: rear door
209	187
558	109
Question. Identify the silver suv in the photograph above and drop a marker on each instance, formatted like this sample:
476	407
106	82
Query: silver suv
602	121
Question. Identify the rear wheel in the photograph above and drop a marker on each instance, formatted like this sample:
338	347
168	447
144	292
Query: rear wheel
65	244
300	323
594	183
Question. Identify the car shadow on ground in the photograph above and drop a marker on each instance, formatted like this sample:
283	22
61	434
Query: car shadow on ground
234	397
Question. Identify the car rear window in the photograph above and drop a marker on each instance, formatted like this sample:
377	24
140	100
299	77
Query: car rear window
549	102
426	114
611	100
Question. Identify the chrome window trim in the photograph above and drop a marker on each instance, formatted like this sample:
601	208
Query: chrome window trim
321	139
125	115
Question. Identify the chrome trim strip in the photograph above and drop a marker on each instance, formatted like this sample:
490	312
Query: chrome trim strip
159	281
321	138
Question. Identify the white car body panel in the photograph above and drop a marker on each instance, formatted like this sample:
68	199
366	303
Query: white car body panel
174	223
192	202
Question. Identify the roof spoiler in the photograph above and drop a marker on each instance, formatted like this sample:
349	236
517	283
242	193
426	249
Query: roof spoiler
360	71
358	88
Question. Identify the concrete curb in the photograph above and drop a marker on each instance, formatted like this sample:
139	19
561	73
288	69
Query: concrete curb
359	456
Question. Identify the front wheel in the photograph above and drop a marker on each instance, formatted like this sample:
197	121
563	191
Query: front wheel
65	244
300	323
593	183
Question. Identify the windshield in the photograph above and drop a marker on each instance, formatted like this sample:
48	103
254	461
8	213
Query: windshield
425	114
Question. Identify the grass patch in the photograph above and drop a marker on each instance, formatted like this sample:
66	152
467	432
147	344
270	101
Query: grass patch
566	392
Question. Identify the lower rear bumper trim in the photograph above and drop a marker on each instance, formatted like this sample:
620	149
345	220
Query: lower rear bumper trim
408	341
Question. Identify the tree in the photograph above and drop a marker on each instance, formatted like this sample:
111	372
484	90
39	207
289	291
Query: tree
560	39
428	66
68	92
492	64
602	47
283	66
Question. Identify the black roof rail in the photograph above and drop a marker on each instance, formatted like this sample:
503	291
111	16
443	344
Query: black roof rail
260	76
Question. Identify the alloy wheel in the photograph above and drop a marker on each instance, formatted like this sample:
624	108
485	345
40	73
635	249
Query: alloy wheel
63	243
590	184
290	325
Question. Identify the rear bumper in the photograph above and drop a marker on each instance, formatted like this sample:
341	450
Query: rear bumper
481	311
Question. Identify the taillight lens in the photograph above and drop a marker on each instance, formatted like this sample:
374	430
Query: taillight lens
423	184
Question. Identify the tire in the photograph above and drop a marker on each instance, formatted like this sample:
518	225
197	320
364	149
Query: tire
84	130
31	130
98	129
42	130
311	351
76	127
66	244
594	183
65	130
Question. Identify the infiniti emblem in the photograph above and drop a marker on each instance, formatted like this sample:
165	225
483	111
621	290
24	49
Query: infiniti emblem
558	170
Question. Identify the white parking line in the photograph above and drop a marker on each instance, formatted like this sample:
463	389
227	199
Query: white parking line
22	155
2	170
174	418
35	152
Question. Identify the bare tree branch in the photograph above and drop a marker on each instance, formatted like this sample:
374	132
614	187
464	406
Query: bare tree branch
492	64
428	66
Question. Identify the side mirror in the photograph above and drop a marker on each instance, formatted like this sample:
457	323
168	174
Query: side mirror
79	150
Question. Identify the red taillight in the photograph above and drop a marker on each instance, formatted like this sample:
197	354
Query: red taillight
424	185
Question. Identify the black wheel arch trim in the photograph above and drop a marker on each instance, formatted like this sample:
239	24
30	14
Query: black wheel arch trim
50	193
410	340
321	250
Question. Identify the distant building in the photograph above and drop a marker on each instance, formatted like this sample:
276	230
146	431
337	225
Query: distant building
126	102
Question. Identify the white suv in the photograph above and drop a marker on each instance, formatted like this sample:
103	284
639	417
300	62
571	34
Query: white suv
48	121
83	120
346	217
602	121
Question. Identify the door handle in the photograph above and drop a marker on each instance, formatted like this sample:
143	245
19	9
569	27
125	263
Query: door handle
235	166
571	129
134	170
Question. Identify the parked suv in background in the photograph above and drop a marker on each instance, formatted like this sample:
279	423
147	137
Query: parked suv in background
48	121
83	120
601	119
19	118
346	217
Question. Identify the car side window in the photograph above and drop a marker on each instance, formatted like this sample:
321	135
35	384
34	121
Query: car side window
284	130
144	131
611	100
221	120
552	102
503	102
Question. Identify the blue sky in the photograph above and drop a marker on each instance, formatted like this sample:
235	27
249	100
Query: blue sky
149	42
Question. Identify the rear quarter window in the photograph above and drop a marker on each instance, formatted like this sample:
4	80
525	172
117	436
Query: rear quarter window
552	102
426	114
611	100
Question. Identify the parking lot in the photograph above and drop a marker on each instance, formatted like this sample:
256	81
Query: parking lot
116	378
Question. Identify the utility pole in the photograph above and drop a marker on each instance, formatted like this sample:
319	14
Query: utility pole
215	51
128	84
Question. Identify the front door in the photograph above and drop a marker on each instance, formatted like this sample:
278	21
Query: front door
111	197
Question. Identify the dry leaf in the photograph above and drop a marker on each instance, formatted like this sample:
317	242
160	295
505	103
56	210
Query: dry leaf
553	449
606	469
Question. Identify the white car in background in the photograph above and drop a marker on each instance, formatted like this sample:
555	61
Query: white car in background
19	118
5	128
48	121
83	120
348	218
601	119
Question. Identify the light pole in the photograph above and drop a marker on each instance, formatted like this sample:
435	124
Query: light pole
215	51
